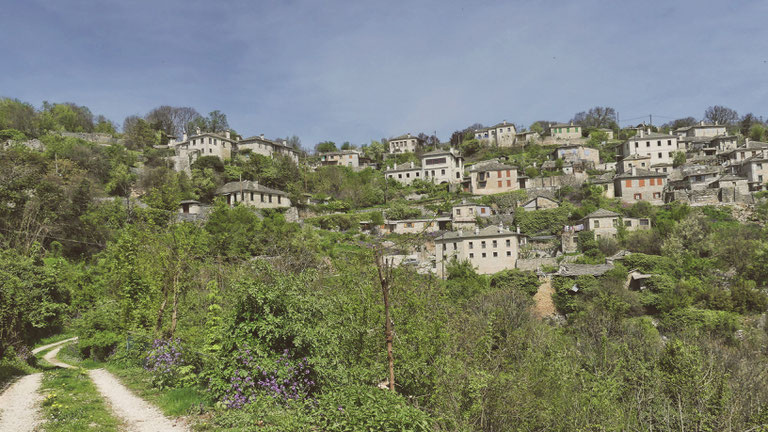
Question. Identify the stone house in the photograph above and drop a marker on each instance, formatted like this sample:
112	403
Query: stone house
253	194
492	178
464	215
564	131
540	203
640	185
190	207
755	169
502	134
266	147
698	178
578	153
736	156
415	226
348	158
189	149
605	181
405	144
404	173
659	147
605	223
488	250
740	185
442	166
608	132
634	160
701	130
522	138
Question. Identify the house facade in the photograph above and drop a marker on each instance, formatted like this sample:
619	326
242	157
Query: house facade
755	169
405	144
464	215
640	185
701	130
488	250
502	134
254	195
578	153
540	203
189	149
565	131
492	178
442	166
404	173
606	224
267	147
659	147
347	158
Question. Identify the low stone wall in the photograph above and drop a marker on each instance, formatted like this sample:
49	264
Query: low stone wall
702	197
98	138
534	264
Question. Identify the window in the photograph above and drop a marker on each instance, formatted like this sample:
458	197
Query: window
262	197
509	243
210	150
653	181
669	142
270	198
417	174
615	222
454	246
660	156
471	255
499	183
647	143
495	244
596	224
658	144
638	196
627	223
251	196
482	210
657	195
407	175
409	224
495	254
628	183
508	173
637	145
442	172
509	183
458	212
509	253
279	198
471	210
482	244
641	182
471	245
483	254
399	176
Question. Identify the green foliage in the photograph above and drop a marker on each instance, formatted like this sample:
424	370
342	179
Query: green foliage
678	159
522	281
547	221
463	282
400	210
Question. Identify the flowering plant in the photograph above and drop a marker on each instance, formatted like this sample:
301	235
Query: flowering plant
168	362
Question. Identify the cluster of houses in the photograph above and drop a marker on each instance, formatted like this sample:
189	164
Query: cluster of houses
699	164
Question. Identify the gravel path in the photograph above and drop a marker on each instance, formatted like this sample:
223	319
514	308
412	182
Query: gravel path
139	415
50	357
543	304
18	404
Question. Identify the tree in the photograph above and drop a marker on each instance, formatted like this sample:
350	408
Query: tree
18	115
104	125
746	123
721	115
678	159
325	146
597	117
120	181
757	132
217	122
347	146
293	142
139	134
681	122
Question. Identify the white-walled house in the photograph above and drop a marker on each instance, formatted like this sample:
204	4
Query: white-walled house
266	147
488	250
189	149
442	166
565	131
405	144
701	130
464	215
404	173
492	177
605	223
660	148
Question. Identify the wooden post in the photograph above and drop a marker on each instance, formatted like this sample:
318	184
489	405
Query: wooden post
385	277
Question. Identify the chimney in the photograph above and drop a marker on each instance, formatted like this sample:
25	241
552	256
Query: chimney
571	122
184	136
634	171
395	166
701	123
501	227
227	134
746	141
261	136
477	230
517	229
197	131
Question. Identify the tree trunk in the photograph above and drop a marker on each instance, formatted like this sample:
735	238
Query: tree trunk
174	316
385	277
160	313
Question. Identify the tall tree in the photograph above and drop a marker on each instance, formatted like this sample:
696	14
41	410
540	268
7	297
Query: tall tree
217	121
681	122
596	117
139	134
293	142
721	115
746	123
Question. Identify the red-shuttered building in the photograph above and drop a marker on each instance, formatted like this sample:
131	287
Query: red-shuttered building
640	185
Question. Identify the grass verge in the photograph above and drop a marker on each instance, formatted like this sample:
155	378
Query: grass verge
72	403
54	339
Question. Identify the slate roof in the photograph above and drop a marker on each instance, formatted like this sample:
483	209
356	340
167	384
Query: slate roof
635	156
404	167
247	185
569	269
650	136
489	231
406	136
601	213
440	152
639	172
493	166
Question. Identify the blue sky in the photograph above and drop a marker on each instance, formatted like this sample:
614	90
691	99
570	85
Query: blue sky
362	70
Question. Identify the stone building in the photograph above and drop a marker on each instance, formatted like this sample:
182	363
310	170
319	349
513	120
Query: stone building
254	195
502	135
701	130
493	177
347	158
540	203
464	215
189	149
564	131
605	223
442	166
488	250
660	148
640	185
404	173
265	147
405	144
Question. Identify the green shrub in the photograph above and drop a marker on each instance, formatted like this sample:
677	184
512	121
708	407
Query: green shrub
522	281
696	321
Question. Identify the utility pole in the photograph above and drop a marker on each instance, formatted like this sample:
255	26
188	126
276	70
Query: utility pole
650	120
385	278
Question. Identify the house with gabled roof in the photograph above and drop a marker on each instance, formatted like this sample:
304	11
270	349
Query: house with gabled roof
404	173
405	144
540	203
605	223
659	147
502	134
443	166
189	149
252	194
266	147
564	131
488	250
701	130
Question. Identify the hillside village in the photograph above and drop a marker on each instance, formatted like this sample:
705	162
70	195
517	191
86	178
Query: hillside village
504	275
700	164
